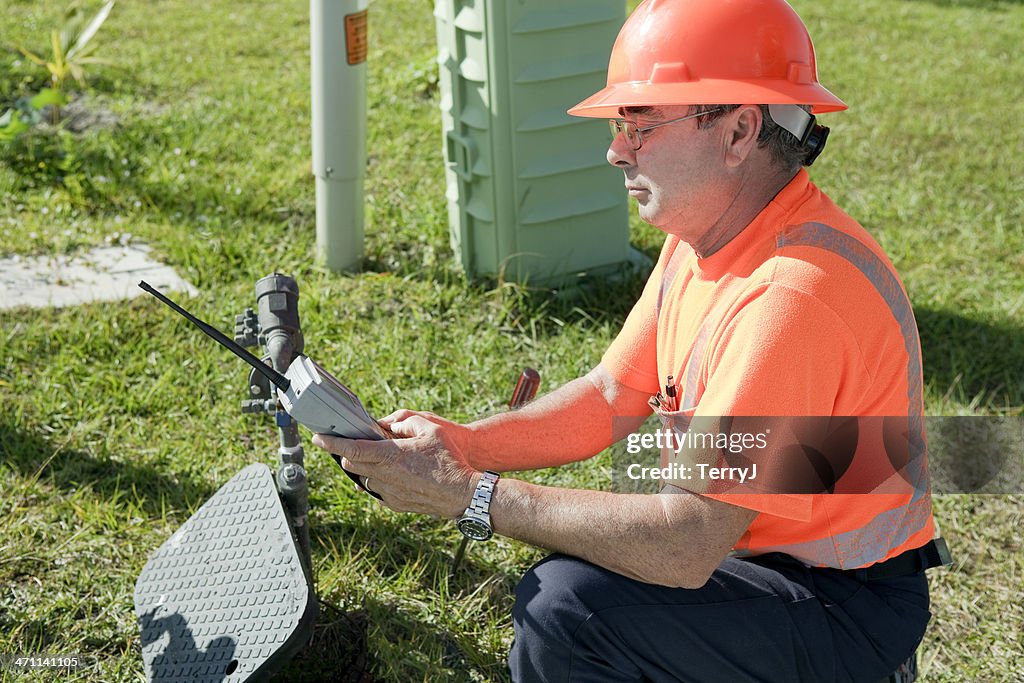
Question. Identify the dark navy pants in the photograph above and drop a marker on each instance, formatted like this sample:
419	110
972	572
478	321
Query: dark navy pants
760	619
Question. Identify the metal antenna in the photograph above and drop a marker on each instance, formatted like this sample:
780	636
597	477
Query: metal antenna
275	377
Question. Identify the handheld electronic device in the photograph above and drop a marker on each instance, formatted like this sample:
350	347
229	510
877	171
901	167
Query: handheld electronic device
309	394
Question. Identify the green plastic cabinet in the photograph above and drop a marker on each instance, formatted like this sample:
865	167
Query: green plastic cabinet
530	194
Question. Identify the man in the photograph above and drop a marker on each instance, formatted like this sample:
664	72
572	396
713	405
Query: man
766	300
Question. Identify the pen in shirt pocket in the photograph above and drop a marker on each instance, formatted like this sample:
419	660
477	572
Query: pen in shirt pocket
670	392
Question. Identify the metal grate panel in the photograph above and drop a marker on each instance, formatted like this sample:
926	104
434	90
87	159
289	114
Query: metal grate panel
226	597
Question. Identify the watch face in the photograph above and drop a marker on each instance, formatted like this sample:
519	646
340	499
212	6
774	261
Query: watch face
474	529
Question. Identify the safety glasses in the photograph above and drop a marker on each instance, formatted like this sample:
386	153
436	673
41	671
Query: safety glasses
635	135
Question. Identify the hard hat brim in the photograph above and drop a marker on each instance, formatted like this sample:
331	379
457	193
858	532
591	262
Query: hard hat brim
606	103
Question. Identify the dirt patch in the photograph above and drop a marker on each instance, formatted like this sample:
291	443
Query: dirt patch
86	113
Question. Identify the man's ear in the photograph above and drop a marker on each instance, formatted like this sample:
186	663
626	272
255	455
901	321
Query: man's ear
741	135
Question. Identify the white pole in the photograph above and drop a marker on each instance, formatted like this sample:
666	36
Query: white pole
338	79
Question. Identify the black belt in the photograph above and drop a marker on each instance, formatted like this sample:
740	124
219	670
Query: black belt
932	554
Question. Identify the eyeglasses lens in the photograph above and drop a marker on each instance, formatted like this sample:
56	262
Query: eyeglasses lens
628	128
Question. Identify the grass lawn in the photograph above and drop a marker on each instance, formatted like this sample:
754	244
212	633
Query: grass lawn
119	421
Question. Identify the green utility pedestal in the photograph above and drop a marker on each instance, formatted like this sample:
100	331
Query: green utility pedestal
530	195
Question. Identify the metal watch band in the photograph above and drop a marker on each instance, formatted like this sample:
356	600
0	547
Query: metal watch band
480	506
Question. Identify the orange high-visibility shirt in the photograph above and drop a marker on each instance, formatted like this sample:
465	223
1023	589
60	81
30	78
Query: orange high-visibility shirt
801	314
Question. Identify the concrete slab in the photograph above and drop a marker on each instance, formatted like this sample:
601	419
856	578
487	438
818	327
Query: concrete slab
103	274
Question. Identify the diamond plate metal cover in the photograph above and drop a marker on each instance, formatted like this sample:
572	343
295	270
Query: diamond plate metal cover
226	598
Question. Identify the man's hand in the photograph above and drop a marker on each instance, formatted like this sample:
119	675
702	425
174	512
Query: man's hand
422	469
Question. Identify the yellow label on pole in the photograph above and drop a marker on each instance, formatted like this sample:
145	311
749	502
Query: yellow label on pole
355	37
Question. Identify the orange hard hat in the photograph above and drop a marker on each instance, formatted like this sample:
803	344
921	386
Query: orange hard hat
672	52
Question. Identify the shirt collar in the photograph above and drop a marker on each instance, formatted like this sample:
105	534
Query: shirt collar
769	221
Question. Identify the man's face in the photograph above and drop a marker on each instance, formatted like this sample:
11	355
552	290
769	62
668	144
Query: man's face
677	175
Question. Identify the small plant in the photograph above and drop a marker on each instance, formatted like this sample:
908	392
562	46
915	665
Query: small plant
71	49
27	112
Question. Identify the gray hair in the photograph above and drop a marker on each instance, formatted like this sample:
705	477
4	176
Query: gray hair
785	149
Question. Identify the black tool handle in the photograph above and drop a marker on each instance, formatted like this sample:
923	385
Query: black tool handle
355	477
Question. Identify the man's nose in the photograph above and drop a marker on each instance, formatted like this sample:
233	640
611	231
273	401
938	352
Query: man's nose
620	153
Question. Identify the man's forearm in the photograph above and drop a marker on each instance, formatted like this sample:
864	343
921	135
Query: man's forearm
574	422
672	540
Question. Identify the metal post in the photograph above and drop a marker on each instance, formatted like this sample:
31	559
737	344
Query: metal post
279	330
338	46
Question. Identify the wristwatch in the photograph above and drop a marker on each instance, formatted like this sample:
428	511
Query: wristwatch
475	522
